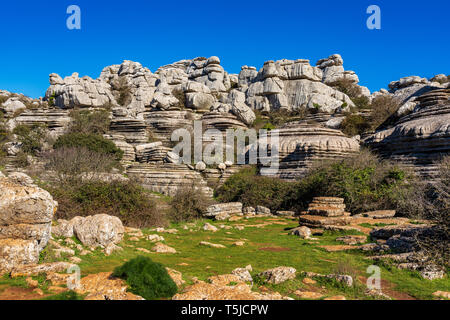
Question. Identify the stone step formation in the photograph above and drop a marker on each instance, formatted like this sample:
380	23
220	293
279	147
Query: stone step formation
325	211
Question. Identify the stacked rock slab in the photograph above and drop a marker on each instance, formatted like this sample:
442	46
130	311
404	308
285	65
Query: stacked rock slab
55	120
420	138
168	178
26	213
224	211
324	212
302	144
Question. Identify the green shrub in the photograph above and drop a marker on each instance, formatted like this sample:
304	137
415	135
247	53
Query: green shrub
354	124
365	182
70	163
85	121
126	200
247	187
187	205
146	278
383	111
31	137
93	142
122	91
67	295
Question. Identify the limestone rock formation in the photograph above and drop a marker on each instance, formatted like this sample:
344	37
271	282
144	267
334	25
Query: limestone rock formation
26	213
420	138
99	230
73	92
302	144
278	275
325	212
291	85
223	211
167	178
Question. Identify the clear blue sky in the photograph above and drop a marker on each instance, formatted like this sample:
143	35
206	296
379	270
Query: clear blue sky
414	39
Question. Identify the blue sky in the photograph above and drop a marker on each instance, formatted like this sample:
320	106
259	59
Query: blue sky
414	39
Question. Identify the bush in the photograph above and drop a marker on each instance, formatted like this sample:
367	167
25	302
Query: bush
84	121
252	190
435	244
354	125
31	137
68	295
70	163
365	182
146	278
187	205
126	200
383	111
90	141
122	91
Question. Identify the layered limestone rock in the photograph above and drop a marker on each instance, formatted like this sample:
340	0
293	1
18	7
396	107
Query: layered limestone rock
419	138
325	212
74	91
224	211
132	85
134	130
163	123
333	70
55	120
301	144
26	213
153	152
129	153
168	178
407	91
290	85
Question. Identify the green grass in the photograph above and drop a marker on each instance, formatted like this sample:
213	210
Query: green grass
68	295
304	255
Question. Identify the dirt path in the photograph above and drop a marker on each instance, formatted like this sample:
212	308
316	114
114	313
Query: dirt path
388	287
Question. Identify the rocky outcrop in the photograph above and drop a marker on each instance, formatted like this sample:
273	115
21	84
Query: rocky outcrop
325	212
291	85
98	231
26	213
209	291
420	138
333	70
278	275
103	286
73	91
224	211
301	144
167	178
55	120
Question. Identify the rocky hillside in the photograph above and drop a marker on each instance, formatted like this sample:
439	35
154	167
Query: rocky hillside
311	105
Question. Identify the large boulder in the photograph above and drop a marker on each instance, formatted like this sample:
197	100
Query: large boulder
26	211
99	230
15	252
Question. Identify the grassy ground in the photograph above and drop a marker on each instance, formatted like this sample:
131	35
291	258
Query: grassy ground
267	245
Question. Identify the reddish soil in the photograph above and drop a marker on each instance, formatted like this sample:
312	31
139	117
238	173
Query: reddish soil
275	249
17	293
388	287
